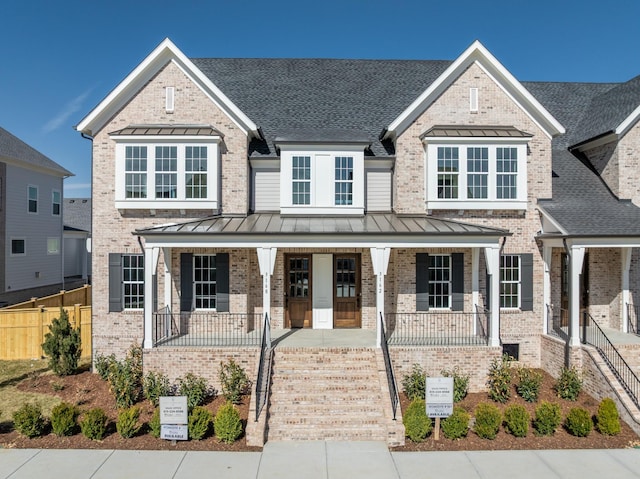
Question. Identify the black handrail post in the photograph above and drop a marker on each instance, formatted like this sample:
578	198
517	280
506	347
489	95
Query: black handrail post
584	327
393	389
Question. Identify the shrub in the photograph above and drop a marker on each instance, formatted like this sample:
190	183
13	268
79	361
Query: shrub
414	384
499	381
195	388
227	424
125	378
29	421
416	423
578	422
547	418
64	419
607	419
516	420
155	385
488	420
62	345
456	426
529	382
154	424
102	365
94	424
200	420
233	381
569	384
460	383
127	423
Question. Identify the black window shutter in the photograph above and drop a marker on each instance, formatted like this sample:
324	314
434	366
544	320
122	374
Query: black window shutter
422	282
222	282
186	281
526	282
457	282
115	282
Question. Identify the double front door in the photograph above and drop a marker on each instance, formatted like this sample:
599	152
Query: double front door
345	279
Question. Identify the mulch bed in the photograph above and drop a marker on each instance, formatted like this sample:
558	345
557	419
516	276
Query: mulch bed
505	441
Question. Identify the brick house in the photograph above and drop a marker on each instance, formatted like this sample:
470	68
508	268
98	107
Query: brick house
442	208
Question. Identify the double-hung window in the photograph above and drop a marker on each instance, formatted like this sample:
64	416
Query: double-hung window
344	180
439	281
166	171
448	170
32	199
301	180
204	281
136	172
510	281
196	171
133	281
56	201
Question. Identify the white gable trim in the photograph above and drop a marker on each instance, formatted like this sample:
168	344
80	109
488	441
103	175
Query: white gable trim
157	59
628	122
549	224
477	53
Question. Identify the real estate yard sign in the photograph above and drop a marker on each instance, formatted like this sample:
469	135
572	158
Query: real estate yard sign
174	418
439	400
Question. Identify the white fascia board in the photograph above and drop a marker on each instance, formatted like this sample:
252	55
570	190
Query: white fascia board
599	141
476	53
40	169
160	56
628	122
546	216
165	138
604	242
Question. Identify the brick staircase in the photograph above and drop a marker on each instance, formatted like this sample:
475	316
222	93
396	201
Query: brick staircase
330	394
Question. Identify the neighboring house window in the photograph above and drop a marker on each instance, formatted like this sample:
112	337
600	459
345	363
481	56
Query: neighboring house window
166	172
301	176
53	245
510	281
133	281
196	171
55	202
18	247
204	281
344	180
136	171
476	176
32	194
439	281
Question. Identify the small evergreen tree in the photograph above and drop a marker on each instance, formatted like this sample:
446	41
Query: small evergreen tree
62	345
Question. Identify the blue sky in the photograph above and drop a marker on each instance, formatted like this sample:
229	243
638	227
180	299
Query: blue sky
60	59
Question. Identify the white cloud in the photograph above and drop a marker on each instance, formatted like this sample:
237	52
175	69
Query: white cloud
68	110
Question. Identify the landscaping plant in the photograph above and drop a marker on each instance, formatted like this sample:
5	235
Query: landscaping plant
125	378
488	420
529	382
155	385
578	422
569	384
195	388
233	381
200	420
64	419
456	426
62	345
608	419
127	422
29	421
227	423
154	424
516	420
415	383
499	379
460	383
94	424
102	365
416	423
547	418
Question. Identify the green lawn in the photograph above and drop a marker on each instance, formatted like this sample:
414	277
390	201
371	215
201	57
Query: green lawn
11	373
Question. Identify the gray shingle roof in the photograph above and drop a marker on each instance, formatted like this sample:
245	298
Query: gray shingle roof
14	149
76	213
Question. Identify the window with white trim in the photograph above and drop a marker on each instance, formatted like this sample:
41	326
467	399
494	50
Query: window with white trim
166	172
479	175
56	201
133	281
439	281
204	281
53	245
136	171
344	180
510	278
18	247
301	180
196	171
32	199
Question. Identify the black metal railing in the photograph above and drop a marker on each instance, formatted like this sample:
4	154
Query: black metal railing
263	381
391	379
632	318
558	323
208	328
438	328
592	334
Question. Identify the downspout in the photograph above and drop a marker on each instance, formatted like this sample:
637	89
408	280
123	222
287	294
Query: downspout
93	344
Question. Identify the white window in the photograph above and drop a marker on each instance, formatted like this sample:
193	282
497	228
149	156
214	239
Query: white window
510	281
204	281
344	180
167	175
53	245
133	281
301	176
439	281
32	199
18	247
476	176
56	200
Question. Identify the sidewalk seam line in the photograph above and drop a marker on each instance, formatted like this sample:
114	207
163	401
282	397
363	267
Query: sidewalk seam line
102	463
21	465
184	455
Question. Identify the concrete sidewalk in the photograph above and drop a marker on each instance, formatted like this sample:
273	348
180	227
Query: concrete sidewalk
319	460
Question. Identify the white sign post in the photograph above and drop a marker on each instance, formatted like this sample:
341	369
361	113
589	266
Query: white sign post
439	400
174	418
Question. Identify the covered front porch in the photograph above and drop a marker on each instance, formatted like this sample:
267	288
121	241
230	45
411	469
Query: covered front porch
332	274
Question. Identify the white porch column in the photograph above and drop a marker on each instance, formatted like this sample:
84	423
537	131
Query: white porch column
168	281
492	256
266	262
150	266
625	266
575	271
546	286
475	284
380	263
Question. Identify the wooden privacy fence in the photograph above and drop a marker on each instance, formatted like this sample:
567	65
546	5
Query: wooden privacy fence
22	331
64	298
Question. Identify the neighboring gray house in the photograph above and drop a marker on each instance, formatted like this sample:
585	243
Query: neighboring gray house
77	237
30	216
